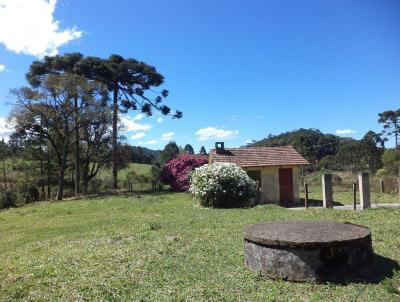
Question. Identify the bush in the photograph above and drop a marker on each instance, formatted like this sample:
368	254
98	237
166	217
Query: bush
32	194
176	171
8	199
107	184
95	185
222	185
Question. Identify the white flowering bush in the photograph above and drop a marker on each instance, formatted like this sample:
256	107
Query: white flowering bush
221	185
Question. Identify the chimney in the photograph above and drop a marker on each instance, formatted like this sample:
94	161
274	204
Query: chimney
219	148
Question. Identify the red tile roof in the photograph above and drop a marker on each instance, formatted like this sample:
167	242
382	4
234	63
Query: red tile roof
259	156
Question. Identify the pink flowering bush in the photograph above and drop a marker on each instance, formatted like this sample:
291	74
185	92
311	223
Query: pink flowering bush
176	171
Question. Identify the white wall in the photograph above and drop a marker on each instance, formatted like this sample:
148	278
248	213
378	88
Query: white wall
270	183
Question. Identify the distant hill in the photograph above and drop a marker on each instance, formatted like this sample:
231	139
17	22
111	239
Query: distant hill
143	155
312	144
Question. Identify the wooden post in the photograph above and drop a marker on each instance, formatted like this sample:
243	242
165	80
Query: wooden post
354	196
306	195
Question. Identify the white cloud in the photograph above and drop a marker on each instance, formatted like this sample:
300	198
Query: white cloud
345	131
248	141
167	136
138	117
150	142
138	135
29	27
3	68
130	124
159	120
6	127
209	133
164	137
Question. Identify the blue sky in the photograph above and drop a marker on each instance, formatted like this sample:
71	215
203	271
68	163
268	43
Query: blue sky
238	70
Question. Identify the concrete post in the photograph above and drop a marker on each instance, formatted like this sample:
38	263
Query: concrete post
327	193
365	200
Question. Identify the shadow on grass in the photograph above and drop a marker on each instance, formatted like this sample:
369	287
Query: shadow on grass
316	203
382	269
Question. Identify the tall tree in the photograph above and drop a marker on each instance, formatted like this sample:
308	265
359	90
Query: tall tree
60	65
4	153
391	125
128	80
96	141
348	156
371	148
203	150
391	161
188	149
47	110
169	152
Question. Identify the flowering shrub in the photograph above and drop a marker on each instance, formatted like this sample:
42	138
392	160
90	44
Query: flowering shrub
221	185
176	171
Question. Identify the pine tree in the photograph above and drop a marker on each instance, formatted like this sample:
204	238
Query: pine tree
188	149
203	150
169	152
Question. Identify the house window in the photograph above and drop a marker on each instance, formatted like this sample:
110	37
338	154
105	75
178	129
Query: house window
256	176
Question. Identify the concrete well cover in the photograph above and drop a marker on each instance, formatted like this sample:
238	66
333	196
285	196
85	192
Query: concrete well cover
305	233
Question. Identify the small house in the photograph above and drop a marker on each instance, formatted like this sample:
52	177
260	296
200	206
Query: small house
275	169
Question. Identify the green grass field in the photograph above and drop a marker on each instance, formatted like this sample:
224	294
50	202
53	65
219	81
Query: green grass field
163	248
140	169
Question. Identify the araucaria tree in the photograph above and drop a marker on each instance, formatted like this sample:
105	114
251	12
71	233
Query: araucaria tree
128	80
391	124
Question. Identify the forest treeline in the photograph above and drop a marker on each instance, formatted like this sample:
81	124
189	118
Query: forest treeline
332	152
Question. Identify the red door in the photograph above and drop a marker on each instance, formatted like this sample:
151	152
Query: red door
286	186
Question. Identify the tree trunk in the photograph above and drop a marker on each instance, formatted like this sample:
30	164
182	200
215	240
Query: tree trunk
114	138
60	192
61	174
4	174
85	178
85	186
76	184
48	179
42	178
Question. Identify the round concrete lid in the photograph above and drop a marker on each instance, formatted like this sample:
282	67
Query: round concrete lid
305	233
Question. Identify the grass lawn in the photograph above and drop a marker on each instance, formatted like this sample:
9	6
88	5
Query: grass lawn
162	247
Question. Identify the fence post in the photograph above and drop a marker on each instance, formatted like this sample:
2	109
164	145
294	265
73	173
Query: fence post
354	195
365	199
306	195
382	187
327	194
